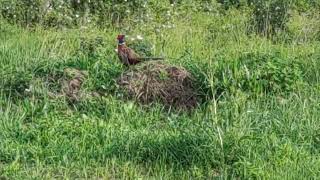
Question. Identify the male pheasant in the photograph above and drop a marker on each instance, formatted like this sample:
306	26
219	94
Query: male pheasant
127	55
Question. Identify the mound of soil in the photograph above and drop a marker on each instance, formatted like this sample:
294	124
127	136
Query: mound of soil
70	85
158	82
72	82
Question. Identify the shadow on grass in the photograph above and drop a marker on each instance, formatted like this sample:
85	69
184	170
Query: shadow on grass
178	151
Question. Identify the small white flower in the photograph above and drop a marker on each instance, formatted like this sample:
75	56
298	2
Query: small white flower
28	89
132	39
139	37
116	50
84	116
77	15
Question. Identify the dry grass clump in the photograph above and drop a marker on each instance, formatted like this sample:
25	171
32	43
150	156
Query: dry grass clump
69	85
158	82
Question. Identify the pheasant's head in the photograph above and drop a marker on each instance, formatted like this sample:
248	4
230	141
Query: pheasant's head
121	38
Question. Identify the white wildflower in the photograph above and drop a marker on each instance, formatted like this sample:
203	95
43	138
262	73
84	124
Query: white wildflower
84	116
27	90
139	37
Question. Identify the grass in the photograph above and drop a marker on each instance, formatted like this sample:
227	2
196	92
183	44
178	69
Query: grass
246	134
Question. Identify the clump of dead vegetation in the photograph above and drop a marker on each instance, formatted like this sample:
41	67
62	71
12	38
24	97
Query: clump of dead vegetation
158	82
67	84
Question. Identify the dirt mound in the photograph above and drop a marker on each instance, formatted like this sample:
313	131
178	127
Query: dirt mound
158	82
70	85
72	82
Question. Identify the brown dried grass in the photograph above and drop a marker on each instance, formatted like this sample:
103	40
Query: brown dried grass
159	82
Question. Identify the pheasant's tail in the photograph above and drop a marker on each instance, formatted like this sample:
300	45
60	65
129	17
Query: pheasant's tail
150	58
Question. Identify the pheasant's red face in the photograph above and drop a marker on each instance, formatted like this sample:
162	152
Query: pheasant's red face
120	37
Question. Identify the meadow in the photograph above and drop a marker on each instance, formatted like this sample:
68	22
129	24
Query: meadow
259	117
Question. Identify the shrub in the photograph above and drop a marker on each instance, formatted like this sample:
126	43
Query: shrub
69	12
269	16
24	12
230	3
142	46
92	46
306	5
259	73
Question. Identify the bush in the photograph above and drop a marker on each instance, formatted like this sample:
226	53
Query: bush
23	12
69	12
141	46
306	5
269	16
259	73
230	3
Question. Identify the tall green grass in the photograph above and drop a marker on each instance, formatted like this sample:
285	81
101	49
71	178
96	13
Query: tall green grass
239	132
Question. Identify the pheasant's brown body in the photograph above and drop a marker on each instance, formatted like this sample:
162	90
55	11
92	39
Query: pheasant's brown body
127	55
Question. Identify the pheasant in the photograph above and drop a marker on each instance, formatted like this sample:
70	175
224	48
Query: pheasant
127	55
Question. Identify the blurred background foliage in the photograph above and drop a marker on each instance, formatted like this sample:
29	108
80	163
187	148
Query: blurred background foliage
267	16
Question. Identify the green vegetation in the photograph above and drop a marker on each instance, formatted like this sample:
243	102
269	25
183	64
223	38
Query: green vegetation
258	73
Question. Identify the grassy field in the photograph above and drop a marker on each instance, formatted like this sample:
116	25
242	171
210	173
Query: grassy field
260	118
